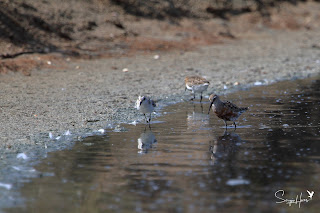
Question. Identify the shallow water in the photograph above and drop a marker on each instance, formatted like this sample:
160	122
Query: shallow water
187	162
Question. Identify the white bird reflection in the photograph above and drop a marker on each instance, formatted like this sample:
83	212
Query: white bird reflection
146	140
196	120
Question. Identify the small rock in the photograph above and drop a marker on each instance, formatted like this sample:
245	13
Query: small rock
133	123
50	135
285	125
119	128
22	156
235	182
6	186
101	131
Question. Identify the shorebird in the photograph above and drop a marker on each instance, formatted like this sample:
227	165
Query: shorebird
227	111
145	105
196	84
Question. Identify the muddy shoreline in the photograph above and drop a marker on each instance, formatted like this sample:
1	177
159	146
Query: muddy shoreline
86	96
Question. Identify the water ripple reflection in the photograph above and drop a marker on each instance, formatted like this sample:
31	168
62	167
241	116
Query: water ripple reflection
188	163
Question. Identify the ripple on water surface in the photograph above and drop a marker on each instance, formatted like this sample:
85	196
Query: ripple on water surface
188	162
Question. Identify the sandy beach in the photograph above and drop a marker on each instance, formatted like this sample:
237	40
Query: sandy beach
72	69
85	96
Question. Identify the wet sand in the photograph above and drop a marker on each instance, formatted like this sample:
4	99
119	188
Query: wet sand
88	95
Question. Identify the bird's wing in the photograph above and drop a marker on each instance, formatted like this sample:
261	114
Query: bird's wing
200	80
234	107
230	105
153	103
196	80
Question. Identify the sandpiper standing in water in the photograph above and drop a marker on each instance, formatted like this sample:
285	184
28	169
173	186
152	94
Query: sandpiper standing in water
225	110
196	84
145	105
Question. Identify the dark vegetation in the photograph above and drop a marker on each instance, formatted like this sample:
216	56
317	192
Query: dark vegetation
94	27
186	8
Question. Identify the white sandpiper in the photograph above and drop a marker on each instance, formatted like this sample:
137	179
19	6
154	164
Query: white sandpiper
145	105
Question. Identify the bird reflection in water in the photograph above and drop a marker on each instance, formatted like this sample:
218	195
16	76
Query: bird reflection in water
196	120
146	140
224	147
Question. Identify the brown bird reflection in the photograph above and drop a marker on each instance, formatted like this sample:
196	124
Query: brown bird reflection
224	147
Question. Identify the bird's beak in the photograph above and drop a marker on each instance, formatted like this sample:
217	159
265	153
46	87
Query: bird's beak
210	107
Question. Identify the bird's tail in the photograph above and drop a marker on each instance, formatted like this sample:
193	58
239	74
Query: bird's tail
243	109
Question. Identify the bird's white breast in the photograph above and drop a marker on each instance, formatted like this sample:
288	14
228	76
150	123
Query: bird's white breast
145	107
198	88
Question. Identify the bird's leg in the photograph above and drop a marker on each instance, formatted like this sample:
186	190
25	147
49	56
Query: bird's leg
226	124
225	132
145	117
194	96
235	125
200	97
150	121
